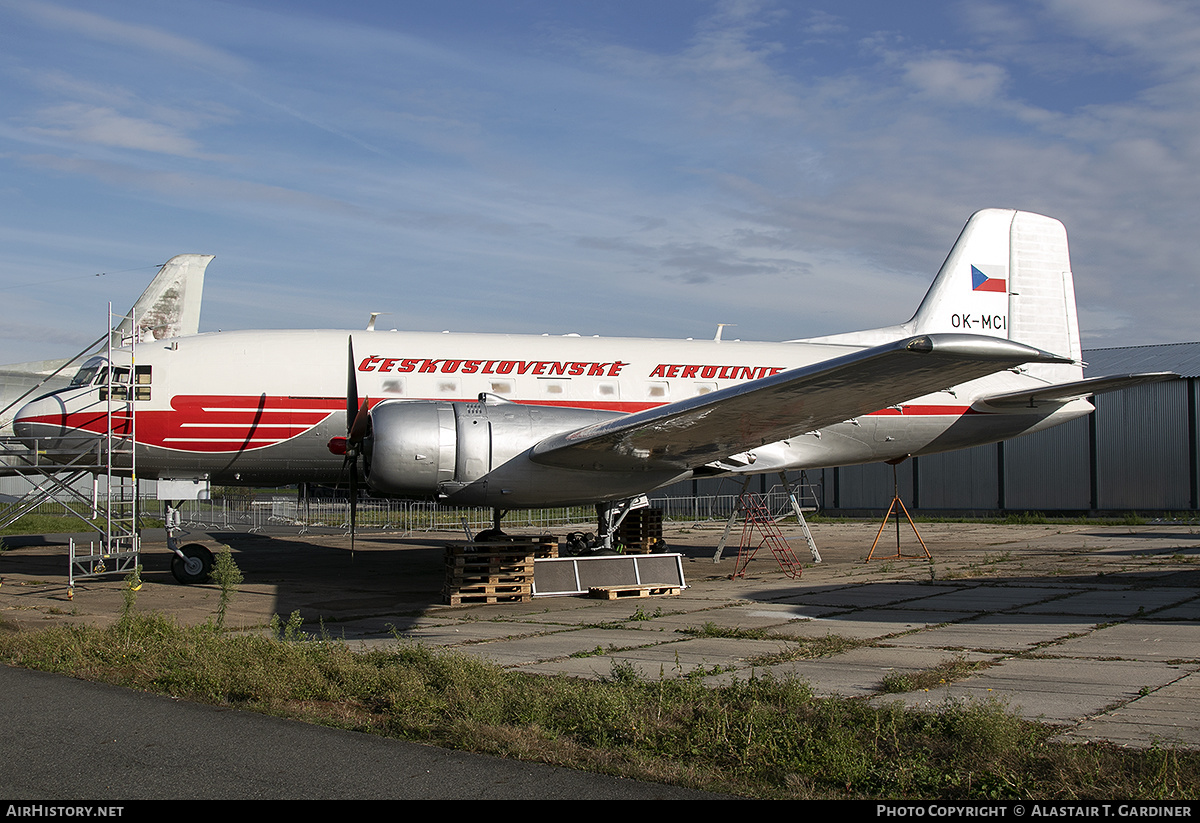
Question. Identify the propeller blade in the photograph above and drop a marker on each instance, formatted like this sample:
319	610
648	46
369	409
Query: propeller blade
351	386
359	426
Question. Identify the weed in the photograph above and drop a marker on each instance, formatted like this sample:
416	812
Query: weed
289	631
943	674
133	585
596	652
711	629
809	648
639	614
227	575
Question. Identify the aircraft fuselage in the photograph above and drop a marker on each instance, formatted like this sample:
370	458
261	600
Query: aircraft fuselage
262	407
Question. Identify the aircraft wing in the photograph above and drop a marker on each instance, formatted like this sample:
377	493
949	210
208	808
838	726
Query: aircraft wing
702	429
1065	392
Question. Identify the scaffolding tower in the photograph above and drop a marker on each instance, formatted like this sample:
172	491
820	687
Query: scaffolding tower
57	467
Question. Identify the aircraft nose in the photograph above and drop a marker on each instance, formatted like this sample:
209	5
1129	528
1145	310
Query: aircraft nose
41	423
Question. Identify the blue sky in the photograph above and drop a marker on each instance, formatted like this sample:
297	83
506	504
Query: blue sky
613	168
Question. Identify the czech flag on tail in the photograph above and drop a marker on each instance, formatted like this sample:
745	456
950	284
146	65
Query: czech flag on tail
982	282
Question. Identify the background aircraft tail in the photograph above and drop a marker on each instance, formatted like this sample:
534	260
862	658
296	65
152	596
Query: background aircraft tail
170	305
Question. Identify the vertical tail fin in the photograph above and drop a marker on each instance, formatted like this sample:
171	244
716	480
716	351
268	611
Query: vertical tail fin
170	305
1009	275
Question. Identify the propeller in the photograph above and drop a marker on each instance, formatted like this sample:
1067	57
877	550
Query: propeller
358	426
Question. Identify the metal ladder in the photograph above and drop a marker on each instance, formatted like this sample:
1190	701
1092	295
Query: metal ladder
797	510
757	517
122	540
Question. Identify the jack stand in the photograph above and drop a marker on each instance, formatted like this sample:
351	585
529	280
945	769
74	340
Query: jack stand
495	533
896	501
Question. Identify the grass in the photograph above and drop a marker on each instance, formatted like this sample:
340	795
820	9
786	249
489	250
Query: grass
63	524
763	737
943	674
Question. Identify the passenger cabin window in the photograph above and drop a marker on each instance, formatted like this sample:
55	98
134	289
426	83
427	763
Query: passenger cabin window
121	386
141	382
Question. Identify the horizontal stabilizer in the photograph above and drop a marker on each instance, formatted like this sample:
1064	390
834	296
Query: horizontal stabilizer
702	429
1065	392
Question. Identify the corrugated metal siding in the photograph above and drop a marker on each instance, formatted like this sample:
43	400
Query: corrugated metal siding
1181	358
1142	448
965	479
1049	470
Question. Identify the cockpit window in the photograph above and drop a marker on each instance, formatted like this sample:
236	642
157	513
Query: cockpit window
91	372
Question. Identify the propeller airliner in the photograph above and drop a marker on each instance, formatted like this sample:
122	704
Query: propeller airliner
508	421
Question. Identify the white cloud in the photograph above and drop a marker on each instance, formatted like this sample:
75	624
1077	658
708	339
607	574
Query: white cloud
152	40
803	173
104	126
956	81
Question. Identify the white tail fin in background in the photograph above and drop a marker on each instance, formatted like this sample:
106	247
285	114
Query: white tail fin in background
170	305
1009	275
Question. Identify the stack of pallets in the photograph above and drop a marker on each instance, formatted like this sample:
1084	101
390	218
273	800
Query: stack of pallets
493	572
641	531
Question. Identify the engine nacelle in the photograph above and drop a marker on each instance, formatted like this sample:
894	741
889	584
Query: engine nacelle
422	448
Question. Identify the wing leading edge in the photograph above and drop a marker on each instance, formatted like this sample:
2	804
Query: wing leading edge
702	429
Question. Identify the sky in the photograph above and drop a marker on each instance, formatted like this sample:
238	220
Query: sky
612	167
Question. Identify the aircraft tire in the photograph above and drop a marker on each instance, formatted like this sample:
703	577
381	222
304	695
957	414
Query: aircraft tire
196	567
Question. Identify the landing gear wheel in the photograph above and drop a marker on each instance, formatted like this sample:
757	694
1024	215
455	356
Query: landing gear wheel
195	566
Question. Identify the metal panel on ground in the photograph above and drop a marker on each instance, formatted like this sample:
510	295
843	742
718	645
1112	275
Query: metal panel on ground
577	575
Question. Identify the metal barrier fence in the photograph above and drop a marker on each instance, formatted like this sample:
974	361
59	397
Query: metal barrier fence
371	514
236	514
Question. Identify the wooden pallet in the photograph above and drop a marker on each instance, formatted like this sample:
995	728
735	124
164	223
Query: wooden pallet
492	572
619	592
641	531
489	593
